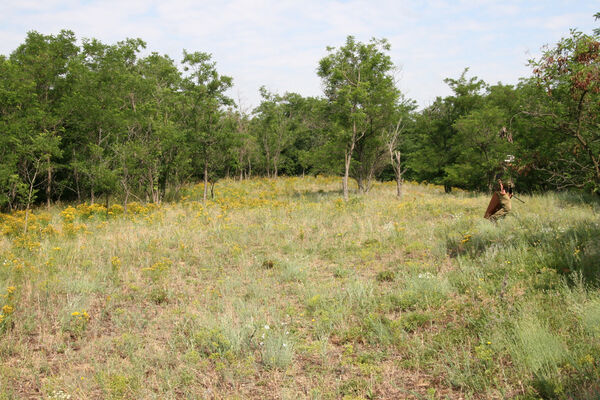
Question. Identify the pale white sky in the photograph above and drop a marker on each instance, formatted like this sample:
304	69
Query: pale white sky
278	43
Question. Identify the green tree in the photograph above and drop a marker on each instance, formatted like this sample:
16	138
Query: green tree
359	86
244	147
309	150
162	156
102	116
483	151
275	118
201	110
43	62
439	145
34	150
16	93
569	73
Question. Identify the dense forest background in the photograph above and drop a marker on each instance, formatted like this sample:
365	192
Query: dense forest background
93	121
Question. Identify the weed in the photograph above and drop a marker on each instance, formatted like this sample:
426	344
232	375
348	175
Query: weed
158	295
211	342
385	276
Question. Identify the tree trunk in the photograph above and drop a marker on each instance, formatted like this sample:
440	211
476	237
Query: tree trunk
125	201
125	188
205	181
362	184
347	158
29	197
396	159
49	186
77	186
268	164
398	186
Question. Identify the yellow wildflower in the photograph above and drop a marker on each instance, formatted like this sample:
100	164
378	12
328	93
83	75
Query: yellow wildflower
116	262
7	309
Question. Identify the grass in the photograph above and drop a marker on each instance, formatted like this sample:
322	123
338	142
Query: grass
279	289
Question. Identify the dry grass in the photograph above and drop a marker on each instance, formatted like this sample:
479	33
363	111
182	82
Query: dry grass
278	289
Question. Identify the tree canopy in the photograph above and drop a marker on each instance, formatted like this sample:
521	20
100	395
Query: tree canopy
91	120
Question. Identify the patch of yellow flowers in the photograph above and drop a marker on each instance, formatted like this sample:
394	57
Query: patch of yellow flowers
7	309
78	323
81	315
14	224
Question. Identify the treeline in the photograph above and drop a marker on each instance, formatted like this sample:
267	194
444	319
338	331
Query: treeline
80	122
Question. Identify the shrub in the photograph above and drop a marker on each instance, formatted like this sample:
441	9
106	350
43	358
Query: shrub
211	342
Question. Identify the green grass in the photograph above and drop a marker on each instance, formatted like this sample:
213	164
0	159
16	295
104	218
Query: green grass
279	289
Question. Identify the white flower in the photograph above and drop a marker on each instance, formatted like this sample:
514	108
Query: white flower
267	327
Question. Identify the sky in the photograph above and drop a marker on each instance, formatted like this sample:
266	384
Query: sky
278	43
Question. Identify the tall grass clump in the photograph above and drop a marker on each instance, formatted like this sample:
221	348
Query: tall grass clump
292	271
421	291
535	348
277	349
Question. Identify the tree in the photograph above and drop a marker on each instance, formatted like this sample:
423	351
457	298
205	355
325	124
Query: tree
308	149
439	144
396	143
34	149
15	94
243	147
275	116
103	116
359	86
483	150
202	98
162	154
569	73
43	61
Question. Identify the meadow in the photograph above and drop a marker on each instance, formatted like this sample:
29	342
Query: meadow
279	289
